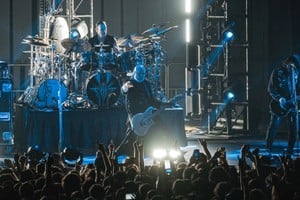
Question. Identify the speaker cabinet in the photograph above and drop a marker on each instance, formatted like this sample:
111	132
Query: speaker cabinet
5	111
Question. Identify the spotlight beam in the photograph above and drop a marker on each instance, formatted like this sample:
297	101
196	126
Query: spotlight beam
206	66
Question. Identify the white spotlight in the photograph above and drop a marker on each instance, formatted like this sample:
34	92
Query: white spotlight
174	154
188	6
159	154
187	30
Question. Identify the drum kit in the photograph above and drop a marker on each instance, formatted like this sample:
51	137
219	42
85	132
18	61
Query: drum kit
81	77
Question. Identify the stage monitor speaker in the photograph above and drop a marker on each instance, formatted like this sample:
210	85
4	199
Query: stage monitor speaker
168	130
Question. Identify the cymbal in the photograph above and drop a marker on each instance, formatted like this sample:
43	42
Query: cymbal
34	37
163	31
36	42
155	28
40	38
77	46
150	30
129	41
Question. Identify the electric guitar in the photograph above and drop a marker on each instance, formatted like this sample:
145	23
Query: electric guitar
278	111
141	122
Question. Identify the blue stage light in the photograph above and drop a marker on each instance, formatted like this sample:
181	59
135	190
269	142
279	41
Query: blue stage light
229	35
74	34
230	95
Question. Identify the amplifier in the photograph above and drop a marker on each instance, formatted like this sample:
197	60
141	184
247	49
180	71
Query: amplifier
5	96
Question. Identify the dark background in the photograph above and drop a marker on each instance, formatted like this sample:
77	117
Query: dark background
273	31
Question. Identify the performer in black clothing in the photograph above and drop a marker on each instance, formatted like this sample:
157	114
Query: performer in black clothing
108	42
138	99
283	88
105	46
138	92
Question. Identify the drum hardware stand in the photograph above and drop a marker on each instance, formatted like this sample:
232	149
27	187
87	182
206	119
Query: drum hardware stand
75	66
101	58
52	46
76	97
60	110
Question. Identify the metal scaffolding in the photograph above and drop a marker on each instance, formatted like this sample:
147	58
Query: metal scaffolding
222	66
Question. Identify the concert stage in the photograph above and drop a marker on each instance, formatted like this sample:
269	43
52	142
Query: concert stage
82	128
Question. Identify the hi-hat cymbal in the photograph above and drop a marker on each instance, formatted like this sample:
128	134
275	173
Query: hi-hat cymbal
38	40
77	46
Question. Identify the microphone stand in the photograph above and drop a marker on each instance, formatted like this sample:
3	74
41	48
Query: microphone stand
60	111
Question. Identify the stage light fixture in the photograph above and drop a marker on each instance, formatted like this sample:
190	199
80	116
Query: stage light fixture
79	30
74	34
229	95
187	30
188	6
228	35
174	154
159	154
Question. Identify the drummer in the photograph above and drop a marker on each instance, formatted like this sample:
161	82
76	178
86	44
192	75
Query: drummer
105	45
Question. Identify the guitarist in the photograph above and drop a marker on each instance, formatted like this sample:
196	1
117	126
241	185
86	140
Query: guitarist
283	88
138	97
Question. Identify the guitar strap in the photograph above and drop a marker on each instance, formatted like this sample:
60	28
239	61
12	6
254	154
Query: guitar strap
147	89
290	84
130	120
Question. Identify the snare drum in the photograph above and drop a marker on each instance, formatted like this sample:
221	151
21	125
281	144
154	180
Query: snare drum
103	89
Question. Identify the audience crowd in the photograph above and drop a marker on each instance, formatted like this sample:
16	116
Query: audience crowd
206	176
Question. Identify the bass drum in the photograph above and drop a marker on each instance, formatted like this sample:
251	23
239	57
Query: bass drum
47	94
103	89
